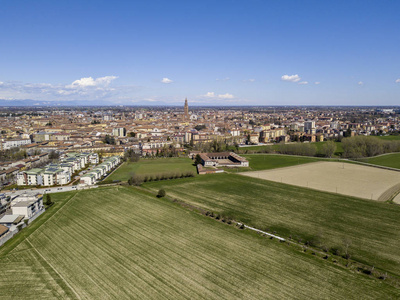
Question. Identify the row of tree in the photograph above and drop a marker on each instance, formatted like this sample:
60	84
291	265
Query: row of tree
136	179
304	149
366	146
131	156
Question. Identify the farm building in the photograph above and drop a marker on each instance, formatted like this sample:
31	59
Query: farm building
223	159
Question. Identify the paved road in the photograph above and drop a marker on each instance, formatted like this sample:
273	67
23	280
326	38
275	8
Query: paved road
48	190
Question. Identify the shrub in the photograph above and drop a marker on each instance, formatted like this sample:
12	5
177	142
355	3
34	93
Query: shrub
48	200
135	180
335	250
161	193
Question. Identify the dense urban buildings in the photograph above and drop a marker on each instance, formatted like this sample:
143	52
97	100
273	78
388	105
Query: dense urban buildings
31	138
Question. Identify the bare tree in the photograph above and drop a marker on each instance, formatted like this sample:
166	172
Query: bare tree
346	245
329	148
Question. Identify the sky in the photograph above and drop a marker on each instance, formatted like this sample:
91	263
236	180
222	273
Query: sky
212	52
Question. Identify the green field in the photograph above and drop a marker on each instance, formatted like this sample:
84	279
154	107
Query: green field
153	166
118	242
390	137
305	214
391	160
338	152
270	161
272	148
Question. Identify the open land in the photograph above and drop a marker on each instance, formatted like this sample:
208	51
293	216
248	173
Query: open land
153	166
119	242
347	179
275	147
390	137
272	161
391	160
303	214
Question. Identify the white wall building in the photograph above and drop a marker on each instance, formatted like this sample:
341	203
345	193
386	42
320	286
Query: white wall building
8	144
28	206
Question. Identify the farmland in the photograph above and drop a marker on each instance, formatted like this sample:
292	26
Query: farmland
335	177
271	161
390	137
338	152
302	213
275	147
391	160
118	242
153	166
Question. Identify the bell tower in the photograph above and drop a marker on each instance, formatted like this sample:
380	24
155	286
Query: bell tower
186	110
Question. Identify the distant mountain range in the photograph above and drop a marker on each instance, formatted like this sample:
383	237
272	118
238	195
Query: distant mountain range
33	103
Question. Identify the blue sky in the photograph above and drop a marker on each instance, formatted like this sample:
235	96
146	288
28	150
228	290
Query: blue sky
212	52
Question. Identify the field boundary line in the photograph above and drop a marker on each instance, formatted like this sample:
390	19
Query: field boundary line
375	166
39	226
68	201
53	268
263	232
390	193
120	165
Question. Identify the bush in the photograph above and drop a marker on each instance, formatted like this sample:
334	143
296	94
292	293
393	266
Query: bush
135	180
161	193
48	201
336	250
303	149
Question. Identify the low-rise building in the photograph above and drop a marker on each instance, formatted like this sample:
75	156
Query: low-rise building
223	159
8	144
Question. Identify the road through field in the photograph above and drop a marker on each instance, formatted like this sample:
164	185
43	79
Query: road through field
342	178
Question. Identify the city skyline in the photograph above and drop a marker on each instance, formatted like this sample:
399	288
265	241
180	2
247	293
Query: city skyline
226	53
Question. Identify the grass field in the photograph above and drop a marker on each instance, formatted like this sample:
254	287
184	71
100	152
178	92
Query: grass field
372	226
319	145
389	160
390	137
338	152
271	161
336	177
116	242
153	166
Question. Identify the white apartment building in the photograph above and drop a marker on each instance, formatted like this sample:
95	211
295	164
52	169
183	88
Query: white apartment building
8	144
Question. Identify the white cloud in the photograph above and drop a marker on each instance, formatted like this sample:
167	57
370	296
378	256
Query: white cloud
223	79
166	80
397	80
360	83
303	82
1	82
90	82
249	80
220	96
291	78
225	96
317	82
82	89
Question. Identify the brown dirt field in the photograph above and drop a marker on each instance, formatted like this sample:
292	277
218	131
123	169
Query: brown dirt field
342	178
397	199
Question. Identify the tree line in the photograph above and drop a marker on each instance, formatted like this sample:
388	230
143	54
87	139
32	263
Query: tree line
367	146
137	179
